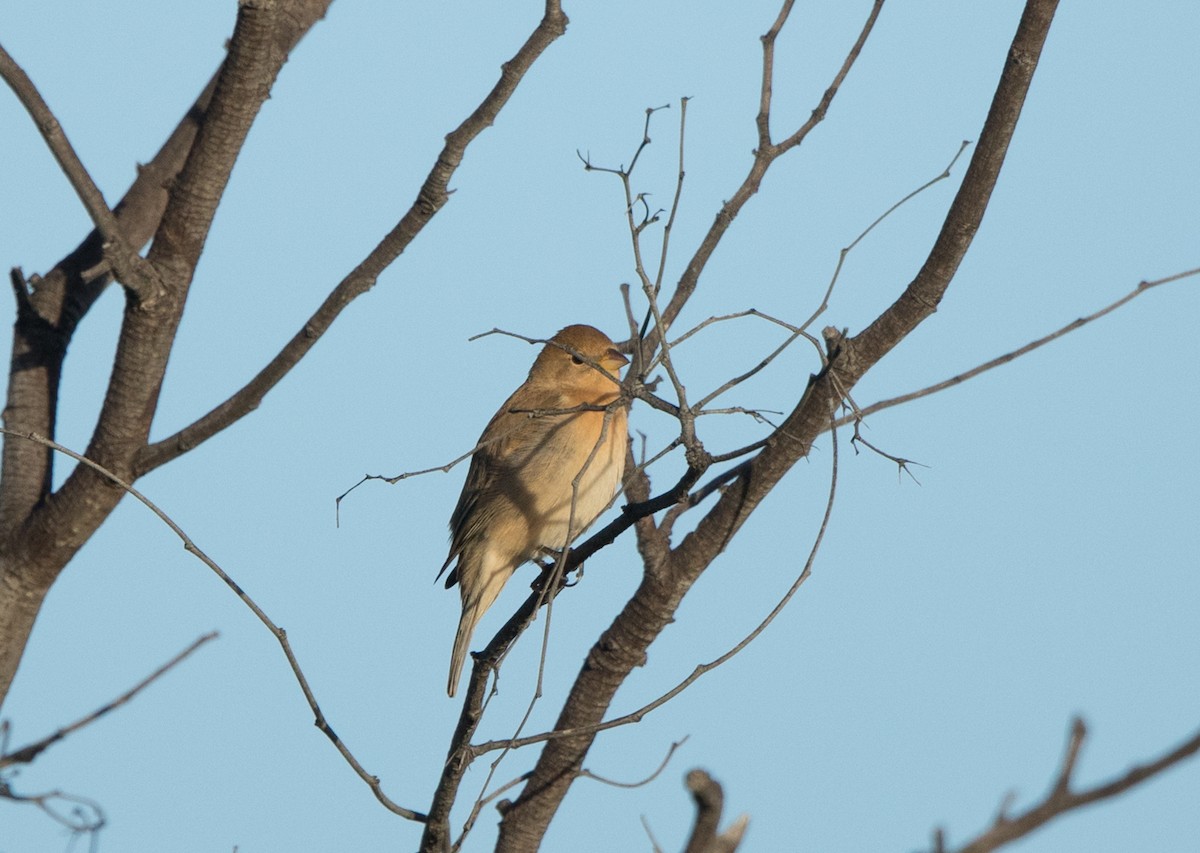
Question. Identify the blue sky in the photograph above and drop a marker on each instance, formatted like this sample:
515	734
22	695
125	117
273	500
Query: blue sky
1044	566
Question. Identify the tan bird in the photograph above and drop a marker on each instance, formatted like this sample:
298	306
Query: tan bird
518	499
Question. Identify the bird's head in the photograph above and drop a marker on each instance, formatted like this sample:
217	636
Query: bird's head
569	360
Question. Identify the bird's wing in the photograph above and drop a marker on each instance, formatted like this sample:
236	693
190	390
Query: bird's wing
506	438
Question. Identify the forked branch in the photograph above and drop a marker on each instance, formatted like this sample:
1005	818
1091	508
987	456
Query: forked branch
433	195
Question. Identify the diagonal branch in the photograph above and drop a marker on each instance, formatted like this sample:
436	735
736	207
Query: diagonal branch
64	153
766	153
433	195
27	754
149	324
959	378
1061	799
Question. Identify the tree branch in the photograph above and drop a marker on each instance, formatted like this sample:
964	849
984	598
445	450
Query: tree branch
27	754
959	378
710	801
49	310
280	634
433	195
1061	799
64	153
766	153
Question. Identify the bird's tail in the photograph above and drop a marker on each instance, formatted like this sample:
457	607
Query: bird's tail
471	615
479	591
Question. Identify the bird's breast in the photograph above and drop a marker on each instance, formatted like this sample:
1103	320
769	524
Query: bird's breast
573	475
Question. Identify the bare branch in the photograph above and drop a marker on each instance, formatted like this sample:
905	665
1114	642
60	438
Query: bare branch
137	276
588	774
280	635
433	195
959	378
666	237
85	817
764	156
655	847
1061	799
477	808
28	753
846	250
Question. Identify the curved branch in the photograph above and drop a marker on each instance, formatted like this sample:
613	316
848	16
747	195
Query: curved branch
320	721
710	802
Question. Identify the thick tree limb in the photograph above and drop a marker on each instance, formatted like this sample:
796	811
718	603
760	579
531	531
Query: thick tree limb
41	531
710	802
50	307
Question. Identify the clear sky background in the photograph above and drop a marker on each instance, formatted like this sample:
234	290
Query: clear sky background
1046	564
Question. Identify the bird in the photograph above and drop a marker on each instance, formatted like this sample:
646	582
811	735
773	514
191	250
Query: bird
518	500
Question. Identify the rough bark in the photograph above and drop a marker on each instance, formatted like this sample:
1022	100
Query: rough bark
40	531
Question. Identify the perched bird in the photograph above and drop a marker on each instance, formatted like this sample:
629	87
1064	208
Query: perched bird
518	499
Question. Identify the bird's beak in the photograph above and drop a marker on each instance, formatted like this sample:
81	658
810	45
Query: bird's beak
613	360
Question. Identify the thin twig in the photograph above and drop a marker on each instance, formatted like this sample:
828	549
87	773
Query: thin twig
588	774
654	845
1017	353
78	821
666	237
280	634
846	250
477	808
26	754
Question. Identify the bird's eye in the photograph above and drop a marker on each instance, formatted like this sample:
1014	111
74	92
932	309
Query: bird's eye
576	360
